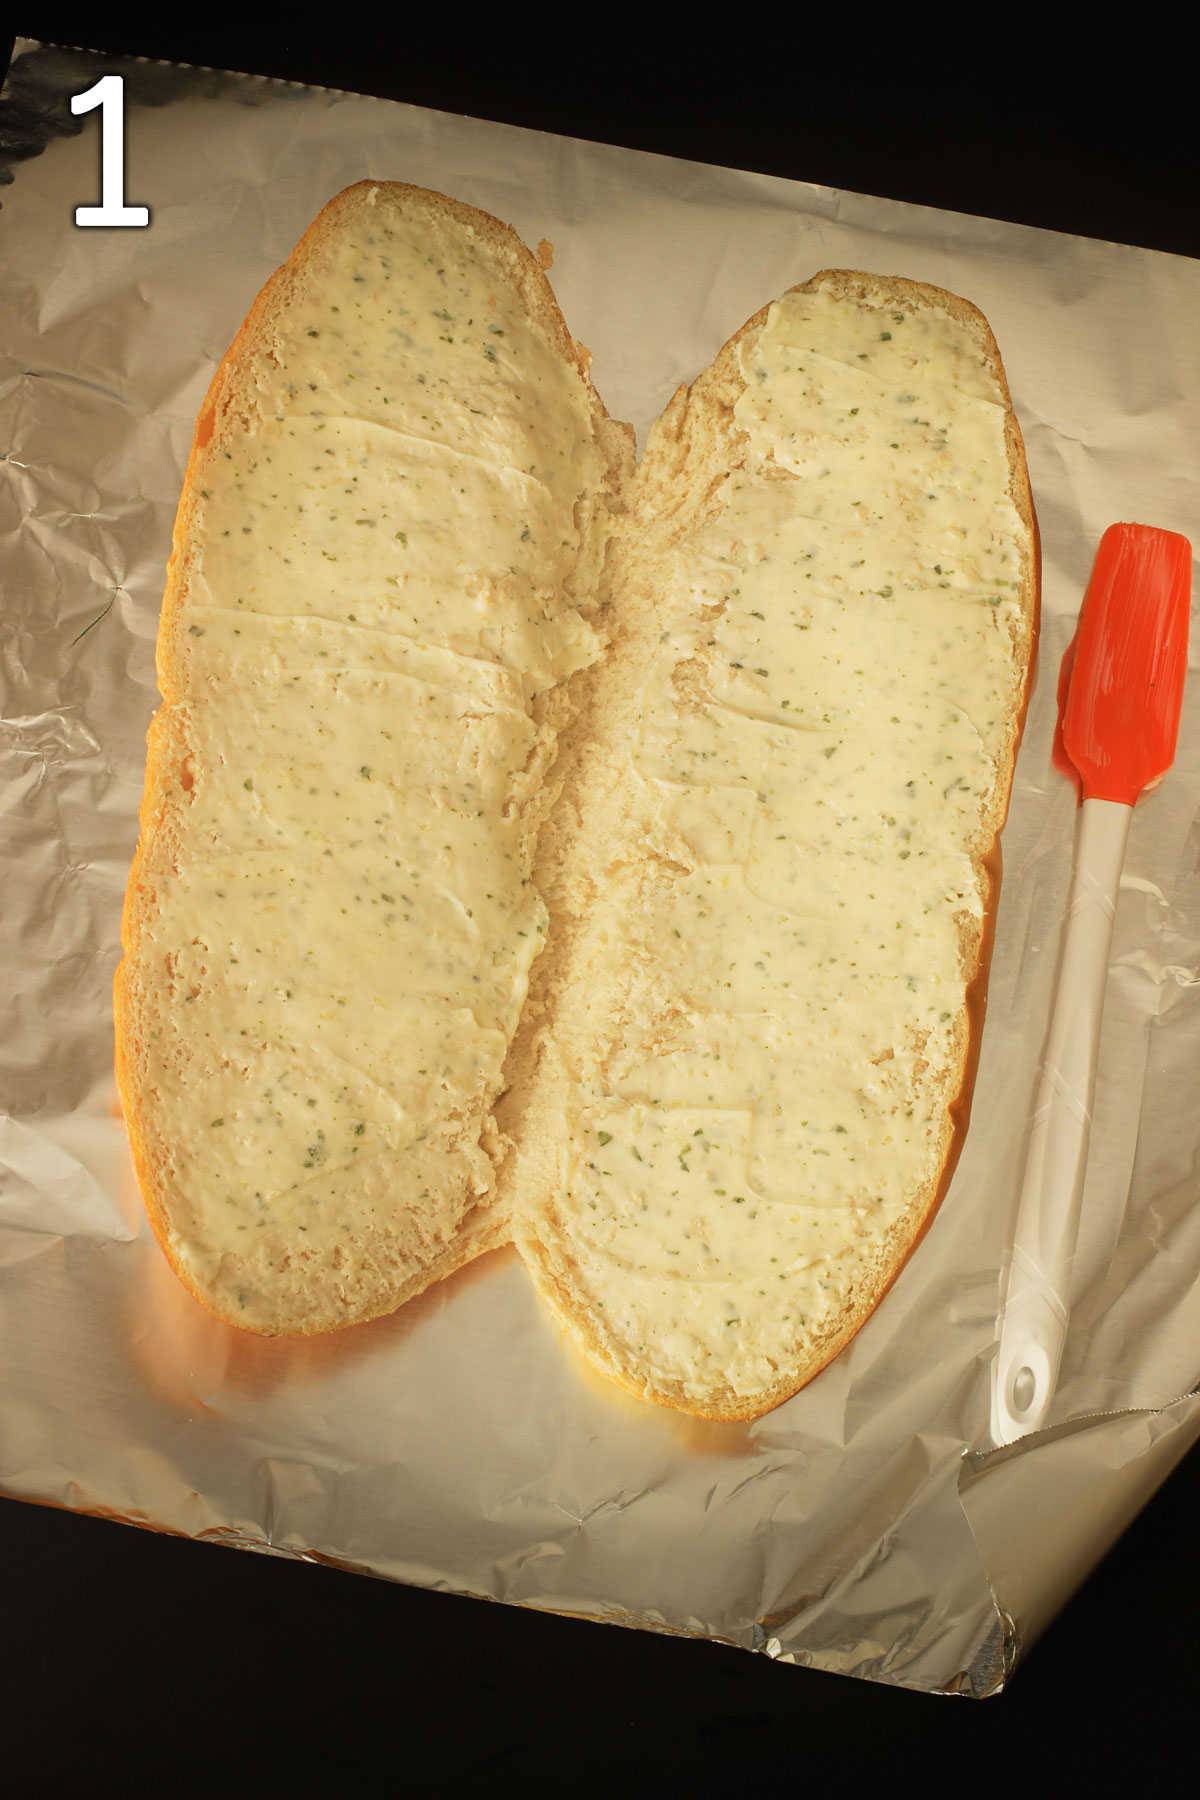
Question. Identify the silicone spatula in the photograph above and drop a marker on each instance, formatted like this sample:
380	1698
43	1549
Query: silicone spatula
1119	728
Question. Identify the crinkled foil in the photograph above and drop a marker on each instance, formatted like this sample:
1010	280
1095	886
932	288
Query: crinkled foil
866	1526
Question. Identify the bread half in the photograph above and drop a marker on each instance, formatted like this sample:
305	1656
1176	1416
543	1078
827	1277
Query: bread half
387	565
797	760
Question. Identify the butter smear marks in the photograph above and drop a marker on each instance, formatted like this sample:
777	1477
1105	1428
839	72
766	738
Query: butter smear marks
534	849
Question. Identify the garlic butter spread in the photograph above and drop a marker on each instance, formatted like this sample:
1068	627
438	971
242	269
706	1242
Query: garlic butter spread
384	572
776	1021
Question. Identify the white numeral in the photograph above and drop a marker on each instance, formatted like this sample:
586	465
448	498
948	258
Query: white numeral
109	95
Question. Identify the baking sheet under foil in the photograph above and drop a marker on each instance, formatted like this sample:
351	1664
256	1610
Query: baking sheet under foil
865	1526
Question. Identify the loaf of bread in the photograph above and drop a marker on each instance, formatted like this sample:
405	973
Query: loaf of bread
534	850
387	563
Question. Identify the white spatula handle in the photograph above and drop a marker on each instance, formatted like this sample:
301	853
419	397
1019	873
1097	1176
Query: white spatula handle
1037	1298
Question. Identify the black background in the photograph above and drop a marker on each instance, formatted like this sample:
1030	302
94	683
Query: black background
132	1663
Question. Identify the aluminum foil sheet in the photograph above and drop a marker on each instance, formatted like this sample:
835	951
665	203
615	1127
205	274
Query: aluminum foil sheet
866	1526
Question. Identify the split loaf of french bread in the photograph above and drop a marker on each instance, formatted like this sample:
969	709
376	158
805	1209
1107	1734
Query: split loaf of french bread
537	850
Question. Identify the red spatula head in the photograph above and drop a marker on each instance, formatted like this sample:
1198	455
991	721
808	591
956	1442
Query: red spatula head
1122	714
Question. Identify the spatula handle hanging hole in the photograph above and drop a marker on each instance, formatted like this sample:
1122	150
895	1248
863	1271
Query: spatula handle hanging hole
1024	1383
1024	1387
